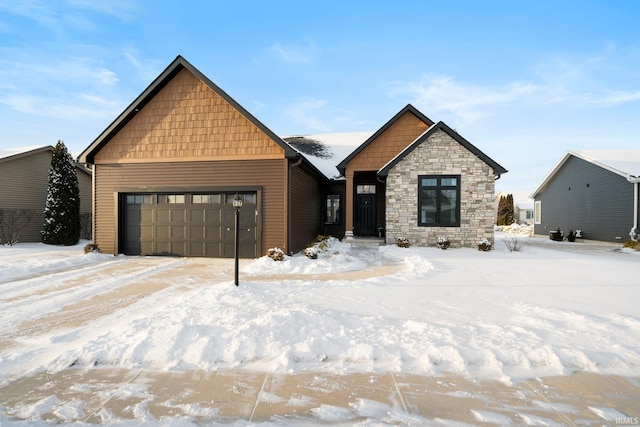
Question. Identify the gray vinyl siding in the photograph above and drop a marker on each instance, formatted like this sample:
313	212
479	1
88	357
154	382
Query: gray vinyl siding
24	181
589	198
306	213
112	179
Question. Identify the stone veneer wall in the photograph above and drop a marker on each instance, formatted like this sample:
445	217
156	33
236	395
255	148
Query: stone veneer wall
441	155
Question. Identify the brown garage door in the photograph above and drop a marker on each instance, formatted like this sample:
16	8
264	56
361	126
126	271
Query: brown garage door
188	224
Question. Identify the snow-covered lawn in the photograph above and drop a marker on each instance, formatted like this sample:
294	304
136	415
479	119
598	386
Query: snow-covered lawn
549	309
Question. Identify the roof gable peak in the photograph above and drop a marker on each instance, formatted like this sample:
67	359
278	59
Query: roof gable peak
167	75
408	109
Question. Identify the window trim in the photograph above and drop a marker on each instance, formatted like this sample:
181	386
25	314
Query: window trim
438	187
537	212
324	215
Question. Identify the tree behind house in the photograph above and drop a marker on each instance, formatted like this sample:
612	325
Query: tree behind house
62	207
506	210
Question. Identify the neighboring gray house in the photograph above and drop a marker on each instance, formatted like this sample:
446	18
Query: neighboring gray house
24	174
594	191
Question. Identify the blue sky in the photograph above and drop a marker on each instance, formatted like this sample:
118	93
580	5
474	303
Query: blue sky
524	81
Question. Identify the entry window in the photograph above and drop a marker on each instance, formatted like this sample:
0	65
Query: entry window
439	201
139	199
198	199
366	189
332	212
537	212
170	199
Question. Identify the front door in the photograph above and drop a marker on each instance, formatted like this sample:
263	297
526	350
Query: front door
365	220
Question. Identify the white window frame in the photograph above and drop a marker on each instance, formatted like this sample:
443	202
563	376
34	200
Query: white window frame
537	212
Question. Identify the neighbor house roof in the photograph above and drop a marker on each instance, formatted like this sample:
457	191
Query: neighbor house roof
409	108
7	154
156	86
497	169
625	163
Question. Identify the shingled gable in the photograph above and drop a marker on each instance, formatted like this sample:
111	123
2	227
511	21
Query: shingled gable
87	156
408	109
497	169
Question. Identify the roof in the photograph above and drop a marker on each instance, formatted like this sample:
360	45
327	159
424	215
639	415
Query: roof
625	163
7	154
156	86
338	145
497	169
409	108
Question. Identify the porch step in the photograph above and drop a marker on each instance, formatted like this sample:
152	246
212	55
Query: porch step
365	242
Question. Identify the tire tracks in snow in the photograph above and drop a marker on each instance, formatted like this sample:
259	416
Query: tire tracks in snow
94	299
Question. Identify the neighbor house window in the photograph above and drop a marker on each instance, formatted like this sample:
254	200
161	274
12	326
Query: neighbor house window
332	212
537	212
439	201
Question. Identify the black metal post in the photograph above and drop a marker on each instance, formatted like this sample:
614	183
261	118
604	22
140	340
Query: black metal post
237	243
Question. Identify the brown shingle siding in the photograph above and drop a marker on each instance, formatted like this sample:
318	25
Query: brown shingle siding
188	120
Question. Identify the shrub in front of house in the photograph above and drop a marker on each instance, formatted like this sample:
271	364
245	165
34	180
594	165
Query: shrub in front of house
92	248
403	243
484	245
443	243
311	252
275	254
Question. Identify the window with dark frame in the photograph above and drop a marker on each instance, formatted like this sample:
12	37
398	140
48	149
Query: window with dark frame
439	201
332	212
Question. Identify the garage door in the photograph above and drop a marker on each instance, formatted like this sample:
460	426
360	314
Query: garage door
188	224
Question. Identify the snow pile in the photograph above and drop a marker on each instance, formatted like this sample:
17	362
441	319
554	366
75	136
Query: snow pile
516	229
332	257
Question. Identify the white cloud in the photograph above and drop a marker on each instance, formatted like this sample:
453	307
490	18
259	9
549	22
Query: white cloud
146	70
600	80
293	54
77	107
307	112
122	9
465	101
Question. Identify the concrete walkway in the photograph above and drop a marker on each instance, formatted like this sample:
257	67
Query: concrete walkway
104	395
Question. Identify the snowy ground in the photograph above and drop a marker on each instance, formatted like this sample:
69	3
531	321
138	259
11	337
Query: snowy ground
549	309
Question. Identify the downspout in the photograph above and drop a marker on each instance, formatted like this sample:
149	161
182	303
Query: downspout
289	216
634	231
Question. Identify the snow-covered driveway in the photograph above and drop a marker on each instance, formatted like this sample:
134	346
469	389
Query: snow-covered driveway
501	315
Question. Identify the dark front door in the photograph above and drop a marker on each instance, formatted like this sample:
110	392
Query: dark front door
365	220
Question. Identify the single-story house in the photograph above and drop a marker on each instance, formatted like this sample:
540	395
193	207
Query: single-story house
167	168
524	211
595	192
24	173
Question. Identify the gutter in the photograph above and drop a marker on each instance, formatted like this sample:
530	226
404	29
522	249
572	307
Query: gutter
634	233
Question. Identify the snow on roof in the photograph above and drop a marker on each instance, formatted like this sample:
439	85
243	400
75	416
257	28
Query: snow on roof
339	145
622	162
625	162
8	152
